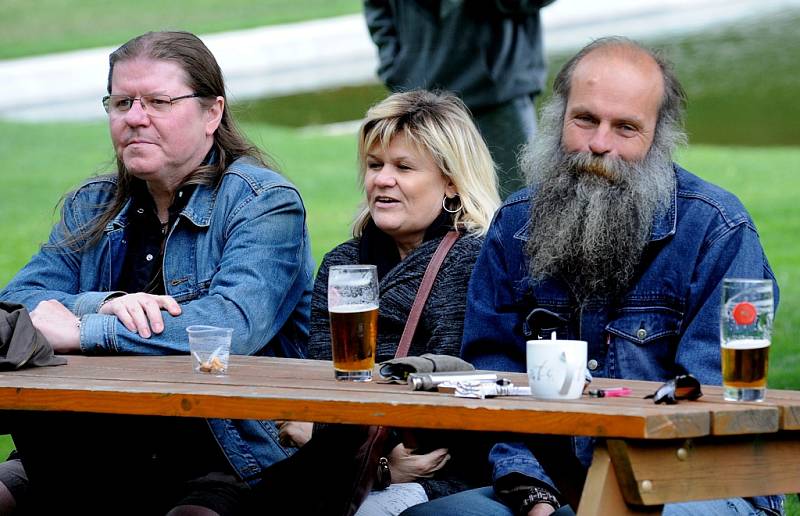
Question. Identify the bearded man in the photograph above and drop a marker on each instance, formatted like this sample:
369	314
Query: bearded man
614	244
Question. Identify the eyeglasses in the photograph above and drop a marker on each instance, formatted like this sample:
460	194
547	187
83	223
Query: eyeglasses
151	104
682	387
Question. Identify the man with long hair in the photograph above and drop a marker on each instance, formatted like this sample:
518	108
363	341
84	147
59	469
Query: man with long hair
194	228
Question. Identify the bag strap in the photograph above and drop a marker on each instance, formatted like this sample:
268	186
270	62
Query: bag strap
367	457
424	290
373	448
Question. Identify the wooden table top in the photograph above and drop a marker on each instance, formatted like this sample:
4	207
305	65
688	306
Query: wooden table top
305	390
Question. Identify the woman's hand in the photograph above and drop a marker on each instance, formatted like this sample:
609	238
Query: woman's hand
541	509
294	433
140	312
407	467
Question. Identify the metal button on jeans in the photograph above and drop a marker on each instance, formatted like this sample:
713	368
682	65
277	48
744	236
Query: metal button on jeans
642	333
592	364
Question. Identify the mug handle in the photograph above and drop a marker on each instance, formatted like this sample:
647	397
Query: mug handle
568	375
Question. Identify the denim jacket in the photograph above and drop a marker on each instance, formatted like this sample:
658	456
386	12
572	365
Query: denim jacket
237	256
667	323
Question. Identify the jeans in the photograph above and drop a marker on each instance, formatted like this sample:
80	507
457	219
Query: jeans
506	128
482	502
475	502
392	500
730	506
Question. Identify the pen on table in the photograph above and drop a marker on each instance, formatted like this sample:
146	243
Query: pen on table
610	393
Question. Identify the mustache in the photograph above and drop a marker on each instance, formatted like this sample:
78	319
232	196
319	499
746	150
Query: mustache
613	170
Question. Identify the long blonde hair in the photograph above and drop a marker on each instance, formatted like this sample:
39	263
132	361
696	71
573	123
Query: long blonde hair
439	123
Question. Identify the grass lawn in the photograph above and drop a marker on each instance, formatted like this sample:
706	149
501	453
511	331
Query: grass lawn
59	25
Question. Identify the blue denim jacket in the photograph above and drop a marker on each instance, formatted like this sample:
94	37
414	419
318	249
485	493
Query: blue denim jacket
237	256
666	324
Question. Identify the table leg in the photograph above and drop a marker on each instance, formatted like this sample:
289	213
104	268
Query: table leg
601	493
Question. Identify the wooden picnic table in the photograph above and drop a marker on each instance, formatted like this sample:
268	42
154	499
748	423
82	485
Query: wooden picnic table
653	454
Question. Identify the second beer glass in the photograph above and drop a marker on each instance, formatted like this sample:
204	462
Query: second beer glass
353	312
747	308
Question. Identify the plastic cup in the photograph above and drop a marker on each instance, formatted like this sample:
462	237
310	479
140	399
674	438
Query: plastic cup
210	348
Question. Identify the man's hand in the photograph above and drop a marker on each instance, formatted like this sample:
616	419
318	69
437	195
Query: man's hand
294	433
58	325
407	467
541	509
140	312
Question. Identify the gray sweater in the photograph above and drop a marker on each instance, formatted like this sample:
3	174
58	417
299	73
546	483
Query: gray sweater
439	331
442	321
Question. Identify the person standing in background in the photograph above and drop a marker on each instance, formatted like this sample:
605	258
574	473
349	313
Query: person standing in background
489	52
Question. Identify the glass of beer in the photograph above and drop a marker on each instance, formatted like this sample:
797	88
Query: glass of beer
353	312
746	323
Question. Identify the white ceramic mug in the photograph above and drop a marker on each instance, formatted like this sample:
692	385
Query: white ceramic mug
556	368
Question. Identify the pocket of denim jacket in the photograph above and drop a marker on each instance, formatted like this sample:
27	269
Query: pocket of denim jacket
643	325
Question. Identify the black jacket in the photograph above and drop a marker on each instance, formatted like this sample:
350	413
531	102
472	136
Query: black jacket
486	51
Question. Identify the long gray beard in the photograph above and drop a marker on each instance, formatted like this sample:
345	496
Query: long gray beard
592	217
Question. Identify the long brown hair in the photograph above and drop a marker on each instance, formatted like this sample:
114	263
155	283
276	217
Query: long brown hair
204	77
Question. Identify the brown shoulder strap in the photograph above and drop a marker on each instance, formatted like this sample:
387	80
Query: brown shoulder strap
424	290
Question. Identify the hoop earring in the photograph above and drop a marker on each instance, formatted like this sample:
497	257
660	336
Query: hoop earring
460	204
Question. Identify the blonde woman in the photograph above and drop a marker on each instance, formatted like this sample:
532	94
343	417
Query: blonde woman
425	170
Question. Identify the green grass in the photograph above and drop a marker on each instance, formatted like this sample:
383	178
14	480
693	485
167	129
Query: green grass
46	26
742	82
316	108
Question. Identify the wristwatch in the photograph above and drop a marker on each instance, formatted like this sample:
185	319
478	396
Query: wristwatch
538	495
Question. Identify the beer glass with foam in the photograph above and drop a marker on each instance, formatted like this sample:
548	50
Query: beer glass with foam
353	312
746	323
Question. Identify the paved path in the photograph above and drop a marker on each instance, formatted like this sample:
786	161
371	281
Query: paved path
333	52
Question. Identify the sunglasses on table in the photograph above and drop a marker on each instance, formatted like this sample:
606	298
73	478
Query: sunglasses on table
682	387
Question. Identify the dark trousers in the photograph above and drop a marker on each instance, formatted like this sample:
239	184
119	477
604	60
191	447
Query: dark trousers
506	129
111	464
